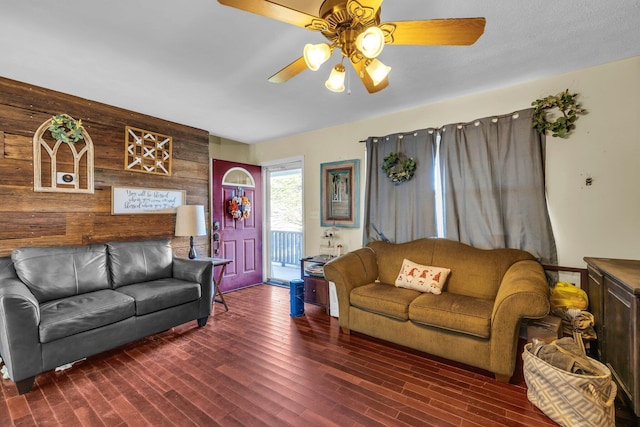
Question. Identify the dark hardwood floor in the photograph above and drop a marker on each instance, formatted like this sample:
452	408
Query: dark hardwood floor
257	366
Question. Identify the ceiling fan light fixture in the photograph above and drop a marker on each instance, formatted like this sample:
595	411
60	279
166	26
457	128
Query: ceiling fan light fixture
370	42
335	82
377	71
316	54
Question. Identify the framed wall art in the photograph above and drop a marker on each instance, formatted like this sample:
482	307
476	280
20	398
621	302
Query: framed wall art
127	200
147	152
340	194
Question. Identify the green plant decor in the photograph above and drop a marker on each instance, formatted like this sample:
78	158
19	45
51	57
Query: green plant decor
398	167
64	128
567	109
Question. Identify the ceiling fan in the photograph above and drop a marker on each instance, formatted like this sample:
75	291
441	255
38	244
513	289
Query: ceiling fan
353	27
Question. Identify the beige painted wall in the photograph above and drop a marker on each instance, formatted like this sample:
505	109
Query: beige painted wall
229	150
601	220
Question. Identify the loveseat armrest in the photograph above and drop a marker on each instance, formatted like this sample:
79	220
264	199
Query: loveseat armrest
200	271
349	271
19	321
523	293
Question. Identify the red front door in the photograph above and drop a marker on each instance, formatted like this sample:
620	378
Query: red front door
239	239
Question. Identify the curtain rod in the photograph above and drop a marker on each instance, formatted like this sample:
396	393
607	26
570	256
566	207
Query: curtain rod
494	119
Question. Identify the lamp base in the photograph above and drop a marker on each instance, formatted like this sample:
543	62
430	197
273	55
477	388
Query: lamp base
192	249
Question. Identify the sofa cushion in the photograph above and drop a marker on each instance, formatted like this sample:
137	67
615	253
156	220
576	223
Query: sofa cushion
79	313
384	299
423	278
390	255
458	313
475	272
136	262
57	272
160	294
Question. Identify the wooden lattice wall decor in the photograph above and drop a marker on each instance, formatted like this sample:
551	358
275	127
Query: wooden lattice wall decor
58	166
147	152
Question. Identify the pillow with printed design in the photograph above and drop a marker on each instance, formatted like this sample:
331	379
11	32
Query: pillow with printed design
423	278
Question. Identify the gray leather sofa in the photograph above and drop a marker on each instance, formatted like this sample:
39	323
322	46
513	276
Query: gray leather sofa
61	304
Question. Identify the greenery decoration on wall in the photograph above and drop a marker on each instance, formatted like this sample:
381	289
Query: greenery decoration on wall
65	128
398	167
563	103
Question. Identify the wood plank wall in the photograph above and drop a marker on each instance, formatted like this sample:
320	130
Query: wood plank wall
28	218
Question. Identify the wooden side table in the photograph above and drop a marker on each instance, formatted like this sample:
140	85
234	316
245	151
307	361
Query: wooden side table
218	262
316	288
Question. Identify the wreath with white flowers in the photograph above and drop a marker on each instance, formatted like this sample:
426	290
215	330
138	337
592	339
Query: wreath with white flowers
65	128
398	167
239	206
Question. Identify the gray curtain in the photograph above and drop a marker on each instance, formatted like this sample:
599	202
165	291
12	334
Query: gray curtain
493	185
405	211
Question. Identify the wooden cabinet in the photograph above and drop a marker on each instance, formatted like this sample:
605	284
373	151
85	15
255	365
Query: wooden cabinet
614	297
316	288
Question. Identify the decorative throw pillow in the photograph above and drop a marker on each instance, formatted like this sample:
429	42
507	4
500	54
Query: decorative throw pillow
423	278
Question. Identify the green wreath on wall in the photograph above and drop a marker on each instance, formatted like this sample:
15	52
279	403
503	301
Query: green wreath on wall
65	128
398	167
564	103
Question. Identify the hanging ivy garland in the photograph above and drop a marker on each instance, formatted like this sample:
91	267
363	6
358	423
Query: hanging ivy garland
566	104
64	128
398	167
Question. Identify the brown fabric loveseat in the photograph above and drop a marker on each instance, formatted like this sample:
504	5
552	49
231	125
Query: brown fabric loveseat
475	320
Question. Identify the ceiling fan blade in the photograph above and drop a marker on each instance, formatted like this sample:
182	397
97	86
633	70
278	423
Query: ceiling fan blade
455	31
290	71
278	12
359	66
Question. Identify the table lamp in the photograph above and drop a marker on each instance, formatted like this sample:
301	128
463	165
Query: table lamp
190	222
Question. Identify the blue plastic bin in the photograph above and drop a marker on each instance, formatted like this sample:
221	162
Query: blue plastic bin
296	297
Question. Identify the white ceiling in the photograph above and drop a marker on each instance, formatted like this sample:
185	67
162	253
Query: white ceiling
206	65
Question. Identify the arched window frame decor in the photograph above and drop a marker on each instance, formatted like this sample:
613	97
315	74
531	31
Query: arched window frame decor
85	154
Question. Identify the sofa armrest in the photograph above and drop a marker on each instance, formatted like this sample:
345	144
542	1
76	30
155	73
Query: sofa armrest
523	293
200	271
349	271
19	321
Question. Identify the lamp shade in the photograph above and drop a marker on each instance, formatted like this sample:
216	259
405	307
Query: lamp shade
316	54
377	71
370	42
335	82
190	221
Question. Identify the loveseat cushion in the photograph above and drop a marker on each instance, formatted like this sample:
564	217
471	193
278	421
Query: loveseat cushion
475	272
390	256
458	313
160	294
78	313
57	272
141	261
384	299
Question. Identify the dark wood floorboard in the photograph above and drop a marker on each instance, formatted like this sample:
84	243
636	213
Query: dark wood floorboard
257	366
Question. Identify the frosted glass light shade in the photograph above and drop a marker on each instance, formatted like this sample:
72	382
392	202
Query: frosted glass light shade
370	42
377	71
335	82
316	54
190	221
